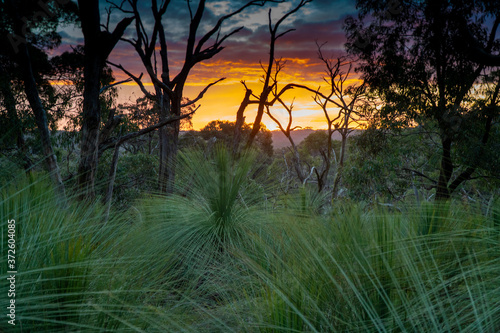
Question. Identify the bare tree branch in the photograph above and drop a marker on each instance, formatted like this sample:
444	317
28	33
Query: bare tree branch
107	145
135	78
114	84
200	95
267	88
420	174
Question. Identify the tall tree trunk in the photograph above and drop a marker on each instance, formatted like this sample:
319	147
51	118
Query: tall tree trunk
165	138
35	102
91	117
97	47
41	122
90	129
169	148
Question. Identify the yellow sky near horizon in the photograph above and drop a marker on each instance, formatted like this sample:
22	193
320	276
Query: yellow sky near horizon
319	24
222	100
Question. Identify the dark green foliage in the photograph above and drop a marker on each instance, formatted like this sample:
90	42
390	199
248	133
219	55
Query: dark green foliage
136	174
388	165
414	59
314	147
224	130
215	257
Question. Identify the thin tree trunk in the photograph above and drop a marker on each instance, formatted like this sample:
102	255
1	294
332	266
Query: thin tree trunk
165	137
258	118
42	124
150	142
296	160
240	120
111	182
340	168
168	146
35	102
442	192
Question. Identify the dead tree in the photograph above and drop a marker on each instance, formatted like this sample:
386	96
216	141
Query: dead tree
342	96
287	131
263	99
98	44
347	96
169	89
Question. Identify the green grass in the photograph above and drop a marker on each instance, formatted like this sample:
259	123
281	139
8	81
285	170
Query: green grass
216	257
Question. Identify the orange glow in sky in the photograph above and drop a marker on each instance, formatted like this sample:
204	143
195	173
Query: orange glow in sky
223	100
317	23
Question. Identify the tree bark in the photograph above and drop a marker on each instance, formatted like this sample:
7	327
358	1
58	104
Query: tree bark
169	144
240	120
41	122
340	168
31	90
445	172
97	47
111	180
166	143
90	128
91	117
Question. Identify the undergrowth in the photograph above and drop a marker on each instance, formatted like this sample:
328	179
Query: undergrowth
215	257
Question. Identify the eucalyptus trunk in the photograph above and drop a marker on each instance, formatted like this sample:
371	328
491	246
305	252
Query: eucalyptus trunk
31	90
97	47
42	124
340	168
445	172
169	142
90	128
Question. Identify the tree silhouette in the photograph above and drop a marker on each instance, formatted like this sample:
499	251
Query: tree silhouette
19	21
413	59
169	88
98	44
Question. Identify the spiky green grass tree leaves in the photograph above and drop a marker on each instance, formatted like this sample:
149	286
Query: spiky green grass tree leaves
191	237
53	256
376	272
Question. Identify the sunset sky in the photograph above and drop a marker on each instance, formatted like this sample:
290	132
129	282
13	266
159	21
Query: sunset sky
320	21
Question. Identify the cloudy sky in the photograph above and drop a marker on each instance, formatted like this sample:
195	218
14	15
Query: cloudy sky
320	21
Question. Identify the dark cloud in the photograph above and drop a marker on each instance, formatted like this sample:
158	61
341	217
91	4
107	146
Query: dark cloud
319	21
